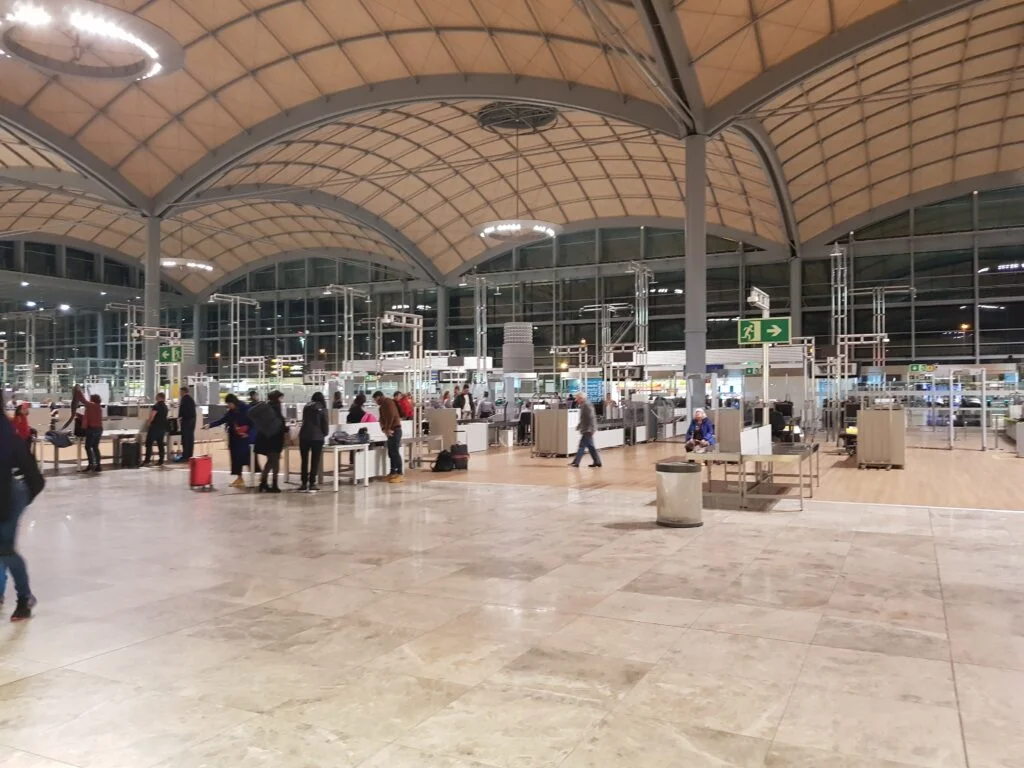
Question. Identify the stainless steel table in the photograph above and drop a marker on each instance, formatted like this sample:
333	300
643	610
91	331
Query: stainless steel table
766	469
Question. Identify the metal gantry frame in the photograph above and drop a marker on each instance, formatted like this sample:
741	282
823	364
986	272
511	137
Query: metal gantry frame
257	362
346	331
132	313
414	323
579	351
172	338
878	294
3	363
480	330
606	349
28	368
234	326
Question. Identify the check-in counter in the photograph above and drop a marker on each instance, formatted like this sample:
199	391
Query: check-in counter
555	434
474	434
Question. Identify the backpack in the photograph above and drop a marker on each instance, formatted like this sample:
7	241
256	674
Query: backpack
444	462
58	439
265	418
460	401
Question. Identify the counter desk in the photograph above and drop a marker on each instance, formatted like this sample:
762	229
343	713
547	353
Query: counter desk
555	433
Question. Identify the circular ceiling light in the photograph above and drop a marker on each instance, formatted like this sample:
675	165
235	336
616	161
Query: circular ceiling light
516	230
516	117
175	263
86	39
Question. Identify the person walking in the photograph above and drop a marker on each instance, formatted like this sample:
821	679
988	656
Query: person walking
93	423
587	427
312	434
271	443
156	430
236	422
391	425
356	412
187	424
17	491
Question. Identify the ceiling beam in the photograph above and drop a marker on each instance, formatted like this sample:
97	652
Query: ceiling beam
27	125
322	110
765	149
666	37
418	260
53	180
894	20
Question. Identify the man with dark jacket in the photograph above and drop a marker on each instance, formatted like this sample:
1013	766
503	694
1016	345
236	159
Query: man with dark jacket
16	493
187	424
391	425
312	435
156	430
587	427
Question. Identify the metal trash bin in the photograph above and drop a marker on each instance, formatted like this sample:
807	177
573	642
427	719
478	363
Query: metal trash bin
680	496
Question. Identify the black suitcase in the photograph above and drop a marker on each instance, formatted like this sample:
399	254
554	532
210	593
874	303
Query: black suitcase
460	455
131	455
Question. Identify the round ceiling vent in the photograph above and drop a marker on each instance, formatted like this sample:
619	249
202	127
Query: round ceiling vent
516	117
86	39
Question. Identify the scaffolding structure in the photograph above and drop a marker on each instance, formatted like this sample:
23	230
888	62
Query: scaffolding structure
3	363
345	330
642	278
413	375
257	363
579	351
878	294
28	368
235	330
132	313
480	330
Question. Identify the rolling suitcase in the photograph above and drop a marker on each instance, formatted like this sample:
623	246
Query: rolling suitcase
460	455
200	473
131	455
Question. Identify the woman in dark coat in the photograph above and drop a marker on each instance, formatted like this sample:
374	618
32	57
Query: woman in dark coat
355	411
236	421
271	445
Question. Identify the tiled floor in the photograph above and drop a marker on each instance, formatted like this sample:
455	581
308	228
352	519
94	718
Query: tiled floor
455	625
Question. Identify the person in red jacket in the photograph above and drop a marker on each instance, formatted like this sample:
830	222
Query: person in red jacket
21	426
92	423
405	405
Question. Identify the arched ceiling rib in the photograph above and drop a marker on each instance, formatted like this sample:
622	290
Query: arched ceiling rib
430	171
941	103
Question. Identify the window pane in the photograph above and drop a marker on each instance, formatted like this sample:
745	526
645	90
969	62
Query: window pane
897	226
723	289
293	274
461	307
323	272
576	250
502	263
772	279
817	290
1001	271
263	279
667	334
944	274
577	294
1002	329
721	245
6	255
944	331
115	273
538	256
80	265
538	301
667	294
1001	208
40	259
948	216
872	271
618	245
665	243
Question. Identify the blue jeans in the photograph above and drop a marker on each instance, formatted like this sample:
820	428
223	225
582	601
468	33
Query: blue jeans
11	560
587	444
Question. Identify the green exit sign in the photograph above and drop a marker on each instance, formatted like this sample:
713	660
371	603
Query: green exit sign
765	330
170	355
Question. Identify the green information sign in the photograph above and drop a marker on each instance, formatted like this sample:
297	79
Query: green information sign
752	371
768	330
922	368
170	355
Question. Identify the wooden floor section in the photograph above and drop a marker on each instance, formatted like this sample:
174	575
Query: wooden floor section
932	478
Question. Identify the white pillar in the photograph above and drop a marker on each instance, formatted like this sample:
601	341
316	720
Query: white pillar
696	271
151	303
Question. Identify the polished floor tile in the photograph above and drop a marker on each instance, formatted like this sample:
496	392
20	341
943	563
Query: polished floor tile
470	625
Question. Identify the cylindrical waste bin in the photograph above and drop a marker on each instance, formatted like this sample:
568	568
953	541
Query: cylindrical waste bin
680	497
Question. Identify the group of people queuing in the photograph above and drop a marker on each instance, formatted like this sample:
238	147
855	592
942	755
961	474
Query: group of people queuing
464	402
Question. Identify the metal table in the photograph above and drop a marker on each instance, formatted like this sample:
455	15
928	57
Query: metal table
766	469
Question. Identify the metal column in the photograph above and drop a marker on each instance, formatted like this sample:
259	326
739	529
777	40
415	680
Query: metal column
796	295
19	255
99	336
151	304
442	317
696	267
480	329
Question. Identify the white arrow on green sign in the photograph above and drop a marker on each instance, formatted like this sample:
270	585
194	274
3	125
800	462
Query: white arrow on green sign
170	355
766	330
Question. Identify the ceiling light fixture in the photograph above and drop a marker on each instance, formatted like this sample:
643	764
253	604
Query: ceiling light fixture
175	263
516	119
64	36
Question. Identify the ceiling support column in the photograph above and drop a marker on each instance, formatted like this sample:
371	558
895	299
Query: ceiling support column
696	271
151	305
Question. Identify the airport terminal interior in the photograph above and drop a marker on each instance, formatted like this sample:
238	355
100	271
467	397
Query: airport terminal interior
512	383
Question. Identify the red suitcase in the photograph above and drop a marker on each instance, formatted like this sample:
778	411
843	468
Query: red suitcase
200	472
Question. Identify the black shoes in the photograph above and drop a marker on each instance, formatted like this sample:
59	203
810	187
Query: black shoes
264	488
313	488
23	610
596	466
303	488
574	464
273	489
